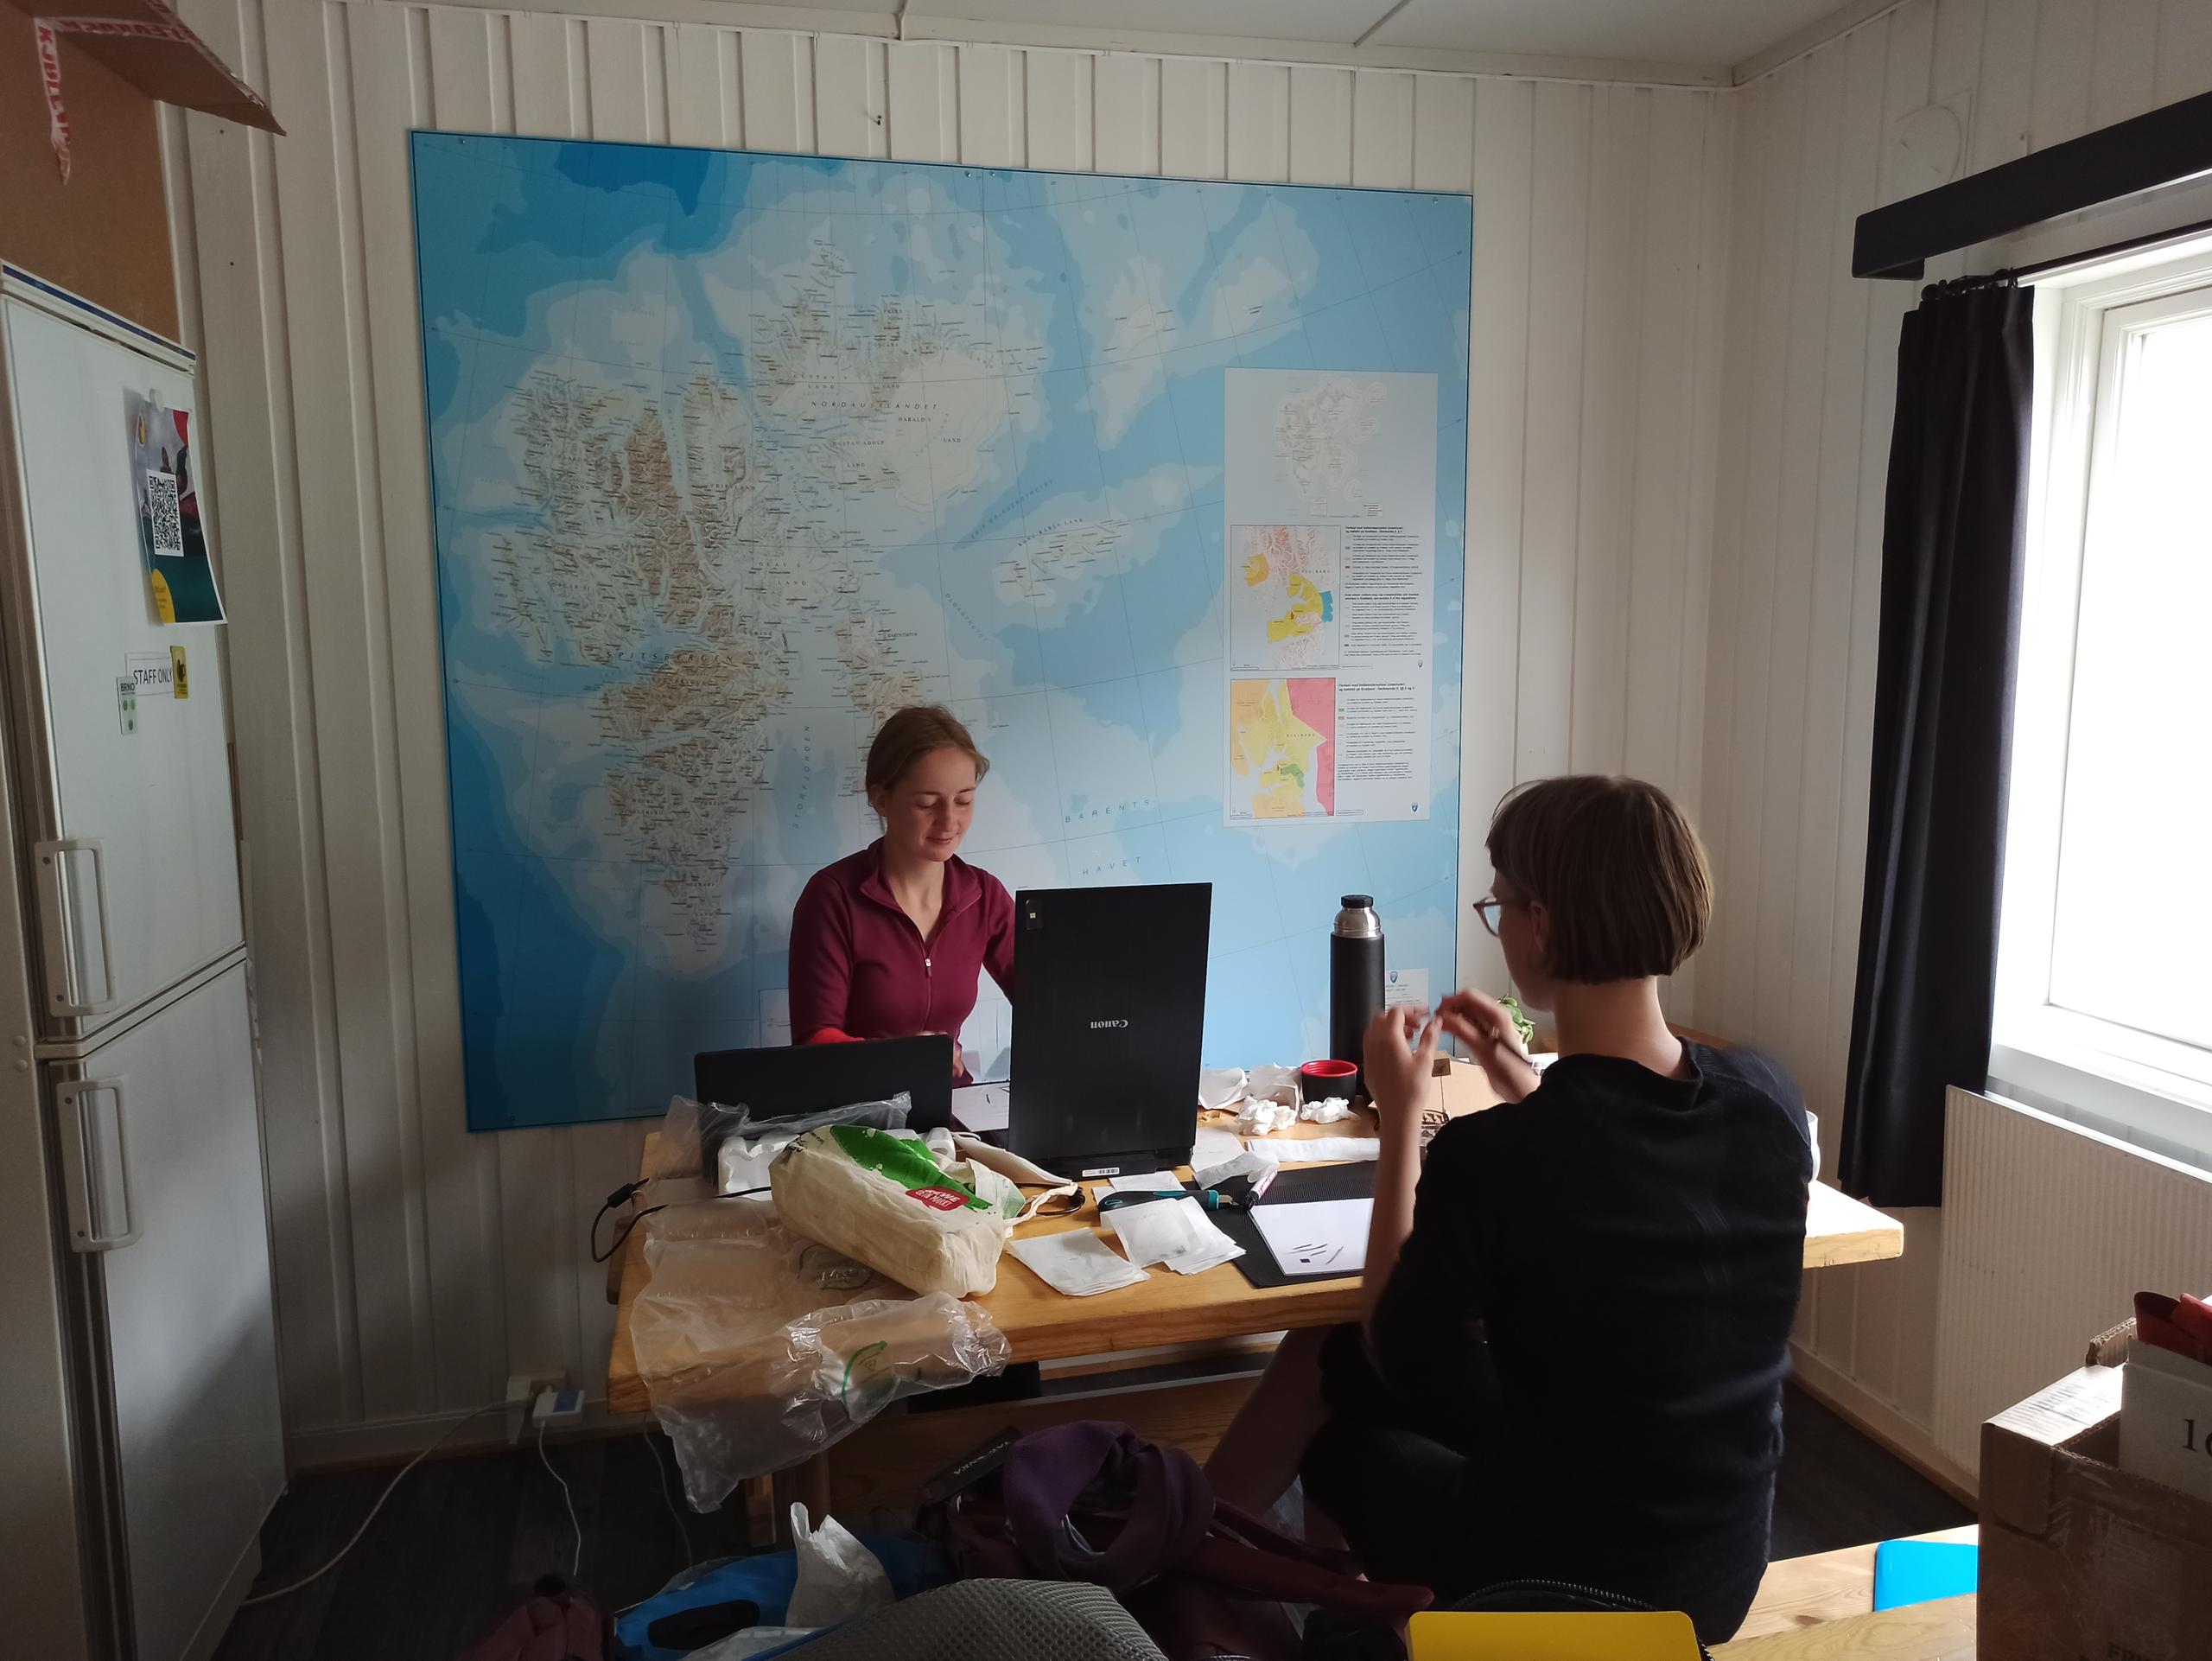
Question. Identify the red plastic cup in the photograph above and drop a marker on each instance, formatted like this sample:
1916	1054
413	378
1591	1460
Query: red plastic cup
1319	1080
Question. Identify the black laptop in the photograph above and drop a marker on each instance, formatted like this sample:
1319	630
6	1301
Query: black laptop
788	1079
1110	1011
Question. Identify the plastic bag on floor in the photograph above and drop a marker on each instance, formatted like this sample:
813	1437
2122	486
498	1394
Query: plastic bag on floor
838	1577
759	1348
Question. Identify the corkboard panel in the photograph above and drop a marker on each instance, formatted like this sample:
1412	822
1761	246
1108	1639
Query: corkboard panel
104	234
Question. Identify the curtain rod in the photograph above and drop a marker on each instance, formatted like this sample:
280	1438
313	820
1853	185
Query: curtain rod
2141	154
2126	245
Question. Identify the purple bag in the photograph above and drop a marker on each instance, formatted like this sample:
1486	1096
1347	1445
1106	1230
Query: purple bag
1093	1501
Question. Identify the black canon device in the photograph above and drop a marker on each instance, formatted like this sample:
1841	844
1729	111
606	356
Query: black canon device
1110	1011
788	1079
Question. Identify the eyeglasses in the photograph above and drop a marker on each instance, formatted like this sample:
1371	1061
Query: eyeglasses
1492	910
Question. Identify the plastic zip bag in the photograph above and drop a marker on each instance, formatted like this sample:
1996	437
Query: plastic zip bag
759	1348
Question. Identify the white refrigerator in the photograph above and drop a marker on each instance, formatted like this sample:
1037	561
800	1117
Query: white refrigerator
141	1439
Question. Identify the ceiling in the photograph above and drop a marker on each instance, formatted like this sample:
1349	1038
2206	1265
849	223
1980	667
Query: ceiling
1704	33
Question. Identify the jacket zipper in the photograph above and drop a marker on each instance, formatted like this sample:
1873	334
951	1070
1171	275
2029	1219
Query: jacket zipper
929	961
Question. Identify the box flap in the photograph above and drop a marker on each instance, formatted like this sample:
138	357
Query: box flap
2018	1446
2152	1357
148	46
2110	1348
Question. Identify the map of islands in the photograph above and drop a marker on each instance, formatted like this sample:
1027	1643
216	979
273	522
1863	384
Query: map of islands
1283	737
1282	607
733	455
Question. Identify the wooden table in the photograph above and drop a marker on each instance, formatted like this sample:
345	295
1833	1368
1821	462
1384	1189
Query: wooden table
1825	1587
1042	1325
1943	1631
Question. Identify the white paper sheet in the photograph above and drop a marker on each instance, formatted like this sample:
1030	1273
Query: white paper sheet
1213	1147
1317	1237
1147	1182
979	1108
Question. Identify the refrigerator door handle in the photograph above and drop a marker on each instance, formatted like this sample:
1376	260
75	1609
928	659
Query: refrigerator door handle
66	992
82	1165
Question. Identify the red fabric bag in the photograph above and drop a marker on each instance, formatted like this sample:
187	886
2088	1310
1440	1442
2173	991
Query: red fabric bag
554	1625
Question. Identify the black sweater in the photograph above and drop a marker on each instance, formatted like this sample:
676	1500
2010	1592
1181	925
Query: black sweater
1632	1245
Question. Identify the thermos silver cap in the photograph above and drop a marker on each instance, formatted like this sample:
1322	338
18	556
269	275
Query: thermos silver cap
1357	920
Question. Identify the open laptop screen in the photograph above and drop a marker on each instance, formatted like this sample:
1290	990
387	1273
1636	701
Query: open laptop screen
1108	1023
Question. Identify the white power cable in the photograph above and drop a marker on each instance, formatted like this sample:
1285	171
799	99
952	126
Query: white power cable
577	1562
682	1528
309	1580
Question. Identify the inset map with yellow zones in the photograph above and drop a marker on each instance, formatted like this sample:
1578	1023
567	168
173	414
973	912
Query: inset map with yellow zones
1283	615
1283	738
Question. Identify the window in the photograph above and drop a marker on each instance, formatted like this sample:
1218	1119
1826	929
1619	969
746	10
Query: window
2105	974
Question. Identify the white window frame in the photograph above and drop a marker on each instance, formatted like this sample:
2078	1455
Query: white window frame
2153	1090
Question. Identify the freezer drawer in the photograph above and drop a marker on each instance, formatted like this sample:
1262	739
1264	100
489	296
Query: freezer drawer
161	1161
137	854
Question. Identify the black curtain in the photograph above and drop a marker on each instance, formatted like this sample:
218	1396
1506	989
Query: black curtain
1951	571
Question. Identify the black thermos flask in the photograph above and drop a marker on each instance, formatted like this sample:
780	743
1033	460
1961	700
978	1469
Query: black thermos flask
1355	979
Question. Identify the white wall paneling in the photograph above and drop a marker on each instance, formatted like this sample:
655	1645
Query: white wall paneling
1926	93
417	1264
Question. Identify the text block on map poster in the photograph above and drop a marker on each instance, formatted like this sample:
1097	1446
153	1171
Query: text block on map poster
734	454
1329	591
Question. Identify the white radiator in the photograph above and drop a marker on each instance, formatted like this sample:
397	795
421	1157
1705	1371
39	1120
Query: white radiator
2048	1231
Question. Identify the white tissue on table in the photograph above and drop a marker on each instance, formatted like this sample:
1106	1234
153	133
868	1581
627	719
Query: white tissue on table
1328	1111
1263	1118
1317	1148
1075	1262
1272	1083
1175	1233
1220	1087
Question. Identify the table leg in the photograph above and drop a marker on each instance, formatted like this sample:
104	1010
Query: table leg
808	1483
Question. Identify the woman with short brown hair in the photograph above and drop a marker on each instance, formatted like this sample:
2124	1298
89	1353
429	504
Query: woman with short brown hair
1576	1328
889	942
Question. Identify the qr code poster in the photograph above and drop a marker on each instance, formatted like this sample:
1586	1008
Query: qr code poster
179	580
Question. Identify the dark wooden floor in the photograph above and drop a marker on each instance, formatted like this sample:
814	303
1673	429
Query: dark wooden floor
462	1538
1837	1488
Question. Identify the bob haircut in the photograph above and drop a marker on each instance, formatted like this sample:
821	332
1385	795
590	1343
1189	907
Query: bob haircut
1617	865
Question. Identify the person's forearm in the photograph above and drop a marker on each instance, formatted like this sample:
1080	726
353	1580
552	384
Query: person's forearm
1395	1172
1518	1079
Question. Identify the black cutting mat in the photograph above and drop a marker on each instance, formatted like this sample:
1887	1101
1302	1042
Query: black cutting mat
1292	1185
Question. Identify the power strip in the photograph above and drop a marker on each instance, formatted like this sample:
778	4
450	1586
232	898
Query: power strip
555	1407
523	1389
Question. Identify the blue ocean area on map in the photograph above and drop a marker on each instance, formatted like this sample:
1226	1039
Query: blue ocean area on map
733	454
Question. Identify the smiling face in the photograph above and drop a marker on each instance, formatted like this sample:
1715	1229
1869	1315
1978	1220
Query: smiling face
926	814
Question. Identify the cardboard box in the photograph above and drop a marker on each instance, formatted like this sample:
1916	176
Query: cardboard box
1456	1086
2081	1561
2165	1419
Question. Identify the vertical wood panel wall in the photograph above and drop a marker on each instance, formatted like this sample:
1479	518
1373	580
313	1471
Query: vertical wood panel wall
1932	91
417	1264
